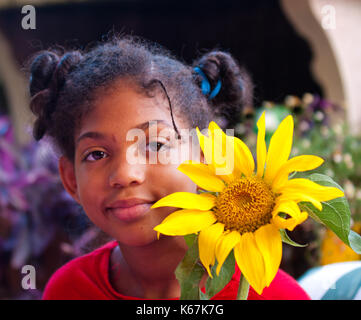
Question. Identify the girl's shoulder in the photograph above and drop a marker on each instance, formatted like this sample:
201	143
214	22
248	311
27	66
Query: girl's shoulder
81	278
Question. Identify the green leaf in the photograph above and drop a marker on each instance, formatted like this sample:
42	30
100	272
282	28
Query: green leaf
190	239
286	239
189	272
203	296
355	241
324	180
335	213
217	283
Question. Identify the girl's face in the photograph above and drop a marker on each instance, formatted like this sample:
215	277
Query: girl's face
114	148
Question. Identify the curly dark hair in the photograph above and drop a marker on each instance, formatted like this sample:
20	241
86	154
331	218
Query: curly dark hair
64	84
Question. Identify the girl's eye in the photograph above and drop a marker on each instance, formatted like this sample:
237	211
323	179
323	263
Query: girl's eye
95	156
157	146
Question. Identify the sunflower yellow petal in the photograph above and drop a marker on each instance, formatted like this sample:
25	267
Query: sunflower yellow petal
187	200
239	157
243	158
187	221
261	145
279	149
289	223
218	141
212	128
300	164
224	246
269	242
250	261
295	218
312	189
239	162
224	164
289	207
300	197
221	164
222	153
202	176
206	147
207	241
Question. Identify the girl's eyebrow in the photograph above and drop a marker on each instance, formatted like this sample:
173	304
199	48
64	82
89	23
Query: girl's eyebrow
101	136
92	135
147	124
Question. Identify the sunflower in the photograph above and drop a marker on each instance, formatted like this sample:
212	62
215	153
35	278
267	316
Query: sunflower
243	209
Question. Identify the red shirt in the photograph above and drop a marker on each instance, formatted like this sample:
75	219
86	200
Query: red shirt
87	278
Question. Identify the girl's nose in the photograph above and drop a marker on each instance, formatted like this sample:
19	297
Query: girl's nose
124	174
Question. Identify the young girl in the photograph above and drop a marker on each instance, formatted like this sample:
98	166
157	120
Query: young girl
87	103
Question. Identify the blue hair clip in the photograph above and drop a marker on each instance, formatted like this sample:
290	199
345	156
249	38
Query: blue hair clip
216	89
205	85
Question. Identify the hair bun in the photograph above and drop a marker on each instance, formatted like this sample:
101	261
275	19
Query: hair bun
48	71
41	71
236	85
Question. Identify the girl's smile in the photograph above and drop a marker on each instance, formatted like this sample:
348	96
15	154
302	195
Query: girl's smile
129	210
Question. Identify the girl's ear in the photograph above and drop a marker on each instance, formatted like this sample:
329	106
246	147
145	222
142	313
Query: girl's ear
67	175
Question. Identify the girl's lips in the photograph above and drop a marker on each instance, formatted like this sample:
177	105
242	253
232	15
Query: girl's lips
131	213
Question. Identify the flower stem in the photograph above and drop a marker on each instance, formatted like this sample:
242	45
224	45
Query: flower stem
243	288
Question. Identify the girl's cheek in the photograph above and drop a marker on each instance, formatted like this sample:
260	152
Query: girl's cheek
166	174
90	187
180	152
169	179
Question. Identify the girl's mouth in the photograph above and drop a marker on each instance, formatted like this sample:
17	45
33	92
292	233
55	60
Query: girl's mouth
131	211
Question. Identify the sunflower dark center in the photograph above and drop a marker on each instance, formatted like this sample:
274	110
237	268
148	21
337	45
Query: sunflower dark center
245	205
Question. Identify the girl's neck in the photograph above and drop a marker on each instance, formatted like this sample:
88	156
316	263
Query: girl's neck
148	271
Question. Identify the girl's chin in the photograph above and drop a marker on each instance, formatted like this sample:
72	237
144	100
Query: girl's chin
137	239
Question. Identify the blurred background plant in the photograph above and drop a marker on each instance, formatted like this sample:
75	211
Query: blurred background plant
40	224
320	129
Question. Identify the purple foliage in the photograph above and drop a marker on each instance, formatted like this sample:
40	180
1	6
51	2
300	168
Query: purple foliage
33	202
